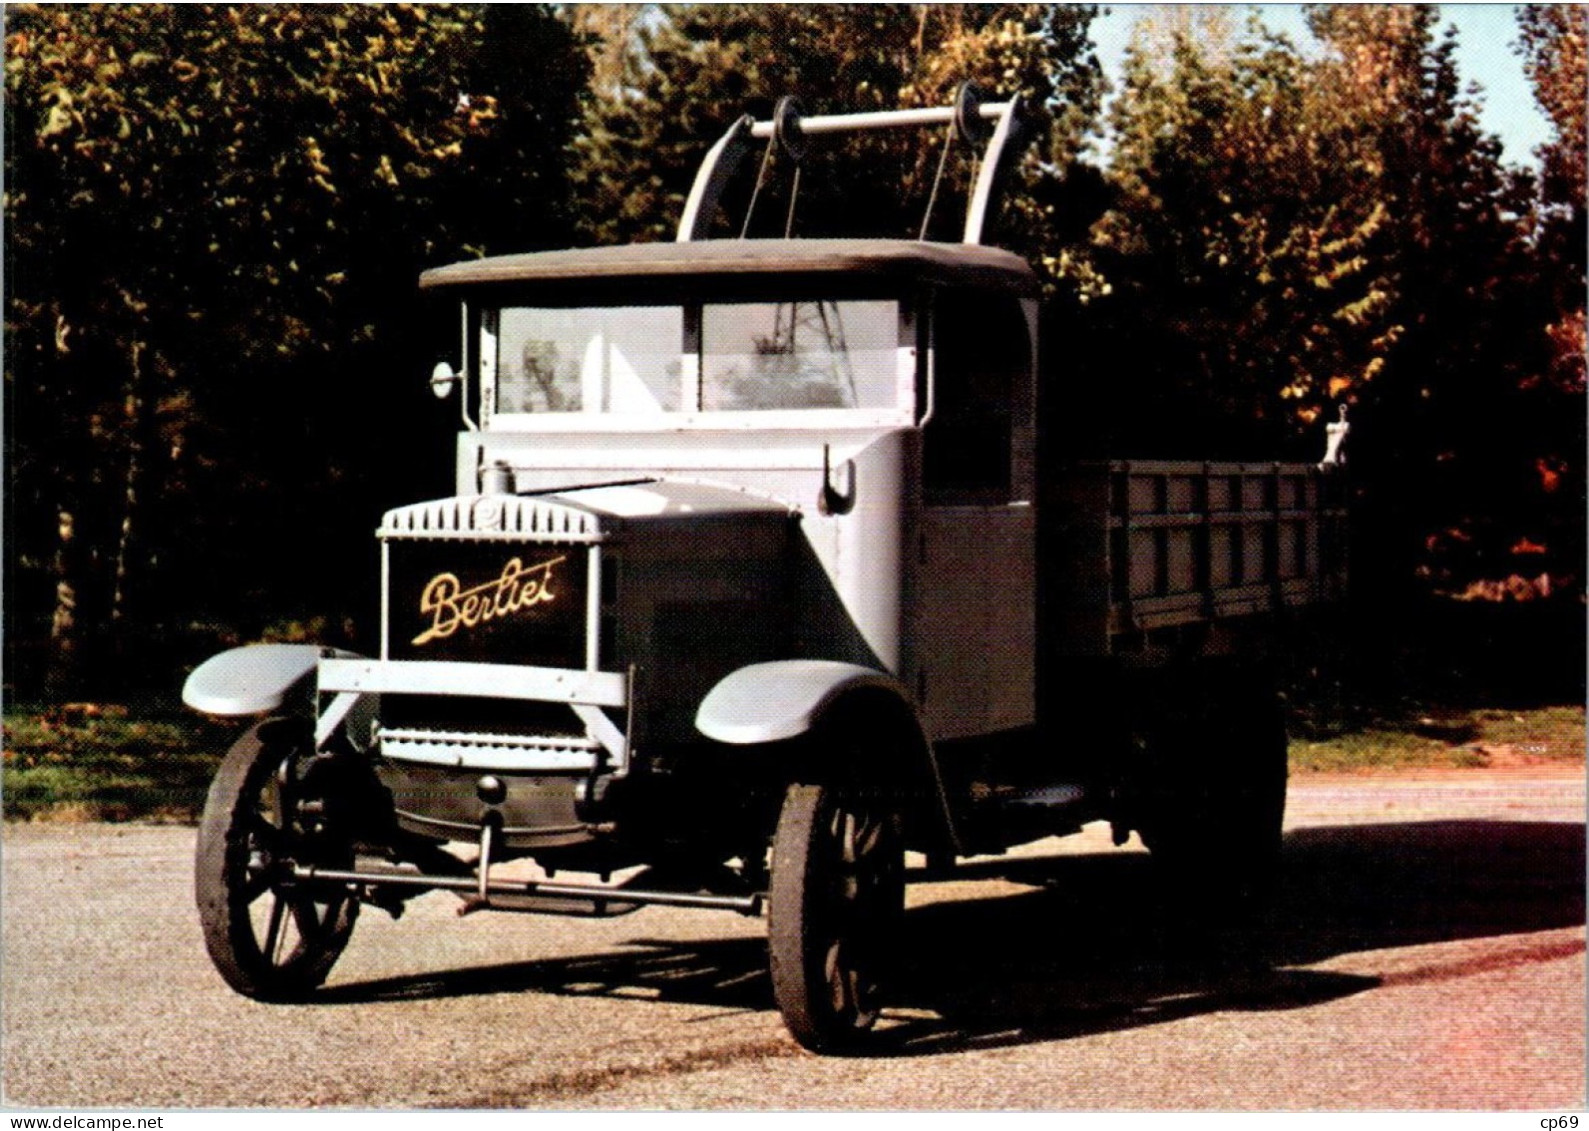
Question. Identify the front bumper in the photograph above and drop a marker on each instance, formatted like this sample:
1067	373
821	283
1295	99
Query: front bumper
354	686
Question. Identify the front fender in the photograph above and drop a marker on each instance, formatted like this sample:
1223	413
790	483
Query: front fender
782	699
253	679
771	702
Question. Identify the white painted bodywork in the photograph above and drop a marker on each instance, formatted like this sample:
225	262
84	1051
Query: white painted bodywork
941	598
251	680
784	699
938	601
975	620
861	552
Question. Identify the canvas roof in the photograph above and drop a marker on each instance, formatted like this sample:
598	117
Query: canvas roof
744	261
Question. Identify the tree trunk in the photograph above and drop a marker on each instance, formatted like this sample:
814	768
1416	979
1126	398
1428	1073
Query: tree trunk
136	424
65	676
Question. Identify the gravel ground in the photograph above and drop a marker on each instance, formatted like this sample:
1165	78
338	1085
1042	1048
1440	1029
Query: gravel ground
1427	953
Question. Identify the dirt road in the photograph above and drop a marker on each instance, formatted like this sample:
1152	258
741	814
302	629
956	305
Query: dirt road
1428	952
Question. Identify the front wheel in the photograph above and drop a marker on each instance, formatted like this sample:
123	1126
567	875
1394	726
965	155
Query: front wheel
834	903
270	935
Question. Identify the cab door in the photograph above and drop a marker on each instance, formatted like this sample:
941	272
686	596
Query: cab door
975	622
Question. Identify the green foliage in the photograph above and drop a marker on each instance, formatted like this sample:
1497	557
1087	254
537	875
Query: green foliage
1289	232
1240	247
245	159
92	761
215	219
1449	738
1458	498
1554	42
695	68
1555	48
215	215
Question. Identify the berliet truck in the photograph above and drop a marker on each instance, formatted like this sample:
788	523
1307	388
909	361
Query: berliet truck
757	574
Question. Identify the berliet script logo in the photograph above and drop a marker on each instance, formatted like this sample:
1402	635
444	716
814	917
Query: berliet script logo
517	590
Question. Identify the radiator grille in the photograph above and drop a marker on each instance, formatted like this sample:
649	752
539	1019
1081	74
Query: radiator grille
481	518
490	602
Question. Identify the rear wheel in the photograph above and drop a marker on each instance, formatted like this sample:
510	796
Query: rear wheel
1215	764
834	903
270	935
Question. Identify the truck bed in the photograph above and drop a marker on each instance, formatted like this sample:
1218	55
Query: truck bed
1142	545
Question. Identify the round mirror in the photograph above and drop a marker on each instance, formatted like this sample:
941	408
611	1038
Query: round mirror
442	380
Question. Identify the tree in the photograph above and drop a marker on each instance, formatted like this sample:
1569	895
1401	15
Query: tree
1554	41
1553	47
692	69
1437	484
1290	232
1243	295
215	217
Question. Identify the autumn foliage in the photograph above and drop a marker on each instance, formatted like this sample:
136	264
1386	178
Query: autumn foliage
214	351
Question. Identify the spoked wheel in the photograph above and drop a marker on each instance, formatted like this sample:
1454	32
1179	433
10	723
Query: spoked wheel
270	936
834	903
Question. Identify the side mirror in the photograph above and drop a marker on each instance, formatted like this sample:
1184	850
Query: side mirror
442	380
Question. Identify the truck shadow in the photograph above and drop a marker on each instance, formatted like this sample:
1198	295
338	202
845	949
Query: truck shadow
1093	951
1089	950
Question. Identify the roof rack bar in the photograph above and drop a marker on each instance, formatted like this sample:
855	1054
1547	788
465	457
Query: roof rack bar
882	119
725	157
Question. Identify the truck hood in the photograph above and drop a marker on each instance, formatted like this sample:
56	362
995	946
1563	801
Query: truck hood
668	499
580	514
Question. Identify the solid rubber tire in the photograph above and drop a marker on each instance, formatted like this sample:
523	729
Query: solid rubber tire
800	917
220	875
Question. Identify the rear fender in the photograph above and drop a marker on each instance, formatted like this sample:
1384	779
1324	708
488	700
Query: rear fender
252	680
774	702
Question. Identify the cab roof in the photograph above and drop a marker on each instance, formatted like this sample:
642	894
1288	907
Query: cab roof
707	262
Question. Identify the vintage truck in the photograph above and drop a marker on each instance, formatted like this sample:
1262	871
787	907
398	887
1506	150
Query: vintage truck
759	572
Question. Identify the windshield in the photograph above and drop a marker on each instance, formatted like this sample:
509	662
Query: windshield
720	357
606	359
798	355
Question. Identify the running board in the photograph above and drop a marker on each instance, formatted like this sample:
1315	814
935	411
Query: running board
598	896
1046	799
1015	817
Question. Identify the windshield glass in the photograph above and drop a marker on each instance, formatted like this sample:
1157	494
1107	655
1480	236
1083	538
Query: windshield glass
643	360
798	355
605	359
